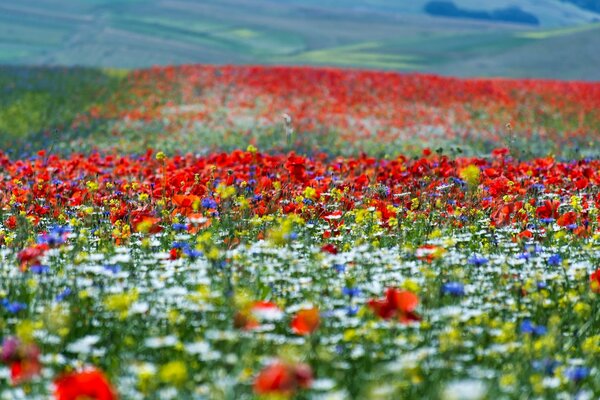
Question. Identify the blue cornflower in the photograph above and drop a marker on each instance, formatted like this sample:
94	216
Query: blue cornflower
547	220
192	253
39	269
577	374
339	267
542	285
51	239
291	236
180	245
180	227
453	288
351	291
554	259
14	307
478	261
208	202
114	268
62	295
528	327
351	311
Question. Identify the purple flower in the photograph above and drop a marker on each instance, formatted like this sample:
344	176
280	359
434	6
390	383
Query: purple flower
10	345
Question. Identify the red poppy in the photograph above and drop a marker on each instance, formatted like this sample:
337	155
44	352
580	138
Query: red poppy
283	379
24	370
397	303
595	281
91	384
568	218
306	321
31	255
329	248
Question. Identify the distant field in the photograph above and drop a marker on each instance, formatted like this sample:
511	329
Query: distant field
389	35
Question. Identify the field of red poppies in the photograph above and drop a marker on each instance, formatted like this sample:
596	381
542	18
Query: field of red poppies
265	232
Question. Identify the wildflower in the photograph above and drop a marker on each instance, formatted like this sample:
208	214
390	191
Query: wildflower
577	374
22	359
283	379
306	321
554	260
173	373
468	389
528	327
477	261
595	281
31	255
453	288
13	307
397	303
470	174
209	203
90	384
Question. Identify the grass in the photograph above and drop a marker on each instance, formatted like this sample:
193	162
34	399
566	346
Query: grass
39	101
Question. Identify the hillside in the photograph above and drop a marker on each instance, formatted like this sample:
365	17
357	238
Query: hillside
376	34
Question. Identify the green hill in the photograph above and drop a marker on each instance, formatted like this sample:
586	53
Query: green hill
358	33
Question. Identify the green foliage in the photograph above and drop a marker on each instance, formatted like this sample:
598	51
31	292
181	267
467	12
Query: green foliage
38	101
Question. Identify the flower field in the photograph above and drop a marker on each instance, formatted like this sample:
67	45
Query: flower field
390	236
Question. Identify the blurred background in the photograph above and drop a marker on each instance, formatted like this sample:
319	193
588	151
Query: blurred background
510	38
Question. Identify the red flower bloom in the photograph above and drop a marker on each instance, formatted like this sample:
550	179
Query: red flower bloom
595	281
397	303
90	384
31	255
306	321
567	218
24	370
329	248
283	379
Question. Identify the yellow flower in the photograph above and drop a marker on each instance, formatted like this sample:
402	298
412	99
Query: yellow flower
121	302
310	193
591	345
470	174
173	373
225	192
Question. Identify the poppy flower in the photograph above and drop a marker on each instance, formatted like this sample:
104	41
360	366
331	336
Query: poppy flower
283	379
251	316
90	384
22	359
306	321
400	304
24	370
568	218
595	281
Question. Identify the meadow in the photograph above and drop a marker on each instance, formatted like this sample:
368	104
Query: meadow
228	232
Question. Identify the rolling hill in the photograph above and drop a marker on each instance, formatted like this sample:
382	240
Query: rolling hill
379	34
